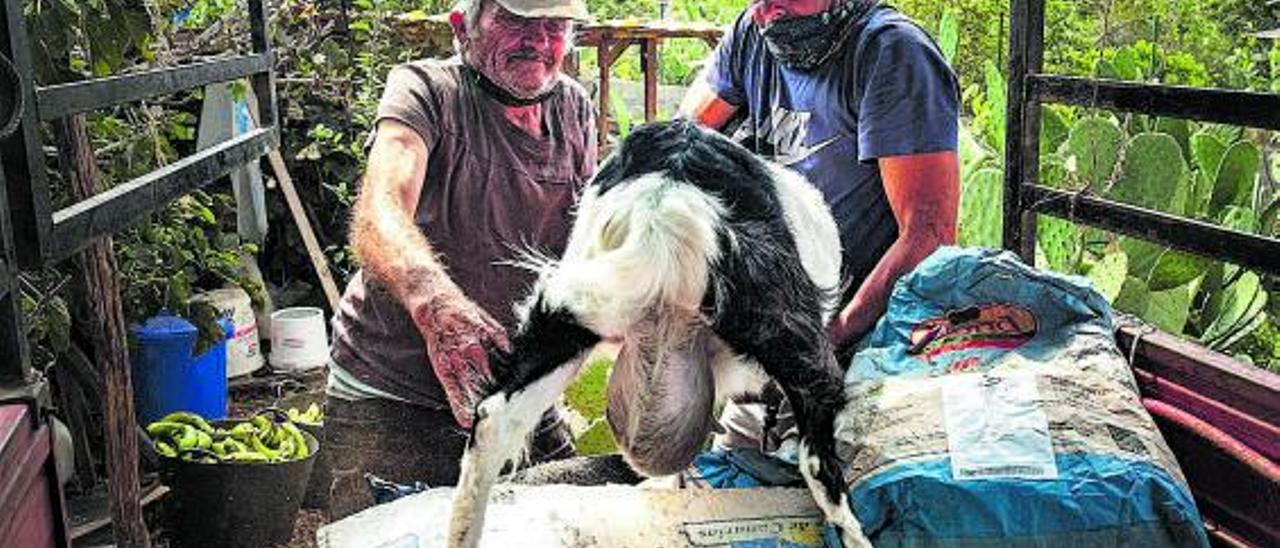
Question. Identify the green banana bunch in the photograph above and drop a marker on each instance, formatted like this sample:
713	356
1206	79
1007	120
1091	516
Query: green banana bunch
260	439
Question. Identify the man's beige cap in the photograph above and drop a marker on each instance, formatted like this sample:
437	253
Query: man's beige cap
567	9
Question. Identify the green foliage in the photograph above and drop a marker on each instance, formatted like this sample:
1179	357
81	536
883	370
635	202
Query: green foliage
1208	172
587	397
183	250
1168	310
79	39
1108	273
1152	174
1060	242
980	219
949	34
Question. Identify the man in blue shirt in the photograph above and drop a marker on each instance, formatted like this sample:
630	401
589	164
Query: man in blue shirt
860	100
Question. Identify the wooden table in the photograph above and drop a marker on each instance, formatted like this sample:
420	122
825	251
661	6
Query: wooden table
612	38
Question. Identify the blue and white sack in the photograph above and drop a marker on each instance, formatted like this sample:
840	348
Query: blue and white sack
991	407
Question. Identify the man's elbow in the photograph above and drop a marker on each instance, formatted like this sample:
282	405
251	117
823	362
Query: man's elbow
924	238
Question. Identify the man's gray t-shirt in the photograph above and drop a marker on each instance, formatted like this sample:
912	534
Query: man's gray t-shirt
491	188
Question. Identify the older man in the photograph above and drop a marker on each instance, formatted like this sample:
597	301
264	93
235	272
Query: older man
471	158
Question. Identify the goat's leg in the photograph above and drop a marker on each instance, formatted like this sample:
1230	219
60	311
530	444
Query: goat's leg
503	423
546	356
813	383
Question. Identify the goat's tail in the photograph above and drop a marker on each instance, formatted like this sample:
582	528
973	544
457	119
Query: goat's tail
642	247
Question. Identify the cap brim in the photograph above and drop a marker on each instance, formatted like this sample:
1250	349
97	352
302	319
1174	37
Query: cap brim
576	11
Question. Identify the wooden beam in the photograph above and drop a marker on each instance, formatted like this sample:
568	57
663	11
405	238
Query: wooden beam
74	97
1022	128
107	331
1247	250
109	212
22	153
1239	108
263	83
16	368
603	60
1209	374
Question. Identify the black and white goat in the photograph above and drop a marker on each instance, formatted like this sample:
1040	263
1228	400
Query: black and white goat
707	259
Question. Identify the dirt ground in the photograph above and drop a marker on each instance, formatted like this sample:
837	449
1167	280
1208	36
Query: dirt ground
304	529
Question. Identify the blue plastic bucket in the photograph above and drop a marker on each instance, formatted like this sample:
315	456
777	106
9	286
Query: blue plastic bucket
167	378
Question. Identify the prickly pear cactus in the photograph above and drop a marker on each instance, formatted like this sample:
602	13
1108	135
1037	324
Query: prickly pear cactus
1162	268
1207	151
1053	130
1237	177
1053	172
1180	130
980	209
1108	274
1152	175
1168	310
1241	219
1234	311
1060	241
1092	149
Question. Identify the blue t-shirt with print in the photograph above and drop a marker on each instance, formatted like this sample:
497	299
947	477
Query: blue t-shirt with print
889	91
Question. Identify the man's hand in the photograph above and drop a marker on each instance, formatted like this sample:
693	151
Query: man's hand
459	336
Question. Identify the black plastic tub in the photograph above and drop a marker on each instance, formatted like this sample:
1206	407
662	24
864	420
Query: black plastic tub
317	496
236	505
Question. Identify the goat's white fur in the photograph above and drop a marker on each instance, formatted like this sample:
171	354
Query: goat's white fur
644	246
840	514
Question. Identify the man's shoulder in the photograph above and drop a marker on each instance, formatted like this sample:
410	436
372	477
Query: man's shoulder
437	75
573	93
886	25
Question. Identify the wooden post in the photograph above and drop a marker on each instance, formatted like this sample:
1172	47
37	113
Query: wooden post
107	331
649	65
602	121
1022	133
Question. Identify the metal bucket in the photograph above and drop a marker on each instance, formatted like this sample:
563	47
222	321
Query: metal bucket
237	505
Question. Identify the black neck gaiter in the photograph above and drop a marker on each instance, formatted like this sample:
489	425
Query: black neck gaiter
500	94
805	42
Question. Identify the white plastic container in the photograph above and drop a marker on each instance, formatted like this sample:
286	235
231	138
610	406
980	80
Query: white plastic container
299	339
244	354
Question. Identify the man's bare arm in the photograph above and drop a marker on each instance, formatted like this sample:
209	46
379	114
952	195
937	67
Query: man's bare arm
703	105
385	239
458	333
924	194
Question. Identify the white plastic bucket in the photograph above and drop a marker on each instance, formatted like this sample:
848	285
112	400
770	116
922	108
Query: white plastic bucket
244	354
298	339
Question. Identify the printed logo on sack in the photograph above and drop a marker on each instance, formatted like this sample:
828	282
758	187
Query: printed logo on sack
994	325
